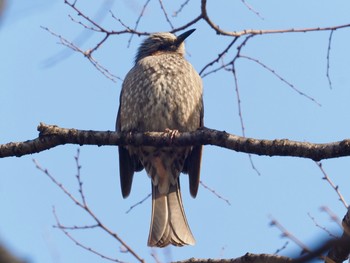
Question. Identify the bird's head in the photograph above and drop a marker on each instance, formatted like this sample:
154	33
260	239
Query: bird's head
162	42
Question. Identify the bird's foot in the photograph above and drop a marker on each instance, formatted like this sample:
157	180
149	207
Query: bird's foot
171	133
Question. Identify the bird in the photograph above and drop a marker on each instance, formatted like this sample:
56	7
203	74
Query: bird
162	93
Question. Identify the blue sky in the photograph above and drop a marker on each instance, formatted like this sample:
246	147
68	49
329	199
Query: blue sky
71	93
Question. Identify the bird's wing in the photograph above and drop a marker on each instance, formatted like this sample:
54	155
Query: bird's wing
193	162
127	164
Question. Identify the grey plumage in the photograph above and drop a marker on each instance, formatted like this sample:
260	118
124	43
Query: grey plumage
162	91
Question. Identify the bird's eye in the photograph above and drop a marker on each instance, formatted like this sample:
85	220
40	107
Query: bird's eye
169	47
163	47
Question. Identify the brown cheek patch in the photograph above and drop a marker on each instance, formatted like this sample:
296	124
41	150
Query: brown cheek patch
157	53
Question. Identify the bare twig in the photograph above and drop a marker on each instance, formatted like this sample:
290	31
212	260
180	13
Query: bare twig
219	56
81	14
253	164
281	78
215	193
60	185
139	203
98	28
78	243
155	256
165	13
241	115
238	97
80	183
77	227
87	54
138	20
252	9
328	58
120	21
201	182
188	24
86	208
91	28
331	214
234	73
321	227
226	66
84	35
287	234
181	8
335	187
232	62
282	248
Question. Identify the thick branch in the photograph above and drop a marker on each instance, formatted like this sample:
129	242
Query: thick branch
251	258
340	251
51	136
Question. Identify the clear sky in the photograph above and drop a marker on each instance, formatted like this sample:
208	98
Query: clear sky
42	81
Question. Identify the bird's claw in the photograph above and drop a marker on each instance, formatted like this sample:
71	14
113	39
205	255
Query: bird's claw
171	133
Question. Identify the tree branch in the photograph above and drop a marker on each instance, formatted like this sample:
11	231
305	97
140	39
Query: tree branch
51	136
340	251
220	31
249	257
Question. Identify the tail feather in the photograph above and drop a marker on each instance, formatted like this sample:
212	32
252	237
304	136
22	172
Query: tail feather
168	222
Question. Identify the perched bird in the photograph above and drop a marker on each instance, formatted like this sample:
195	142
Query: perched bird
162	92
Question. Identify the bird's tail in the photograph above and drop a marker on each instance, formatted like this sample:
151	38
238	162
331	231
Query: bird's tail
168	222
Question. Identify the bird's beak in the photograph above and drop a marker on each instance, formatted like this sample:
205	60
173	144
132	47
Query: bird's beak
183	36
